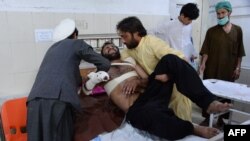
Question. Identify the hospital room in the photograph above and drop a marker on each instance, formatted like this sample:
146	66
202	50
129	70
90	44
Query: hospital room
124	70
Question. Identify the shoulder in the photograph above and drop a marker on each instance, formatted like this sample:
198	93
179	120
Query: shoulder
155	43
75	42
237	27
216	27
152	39
130	60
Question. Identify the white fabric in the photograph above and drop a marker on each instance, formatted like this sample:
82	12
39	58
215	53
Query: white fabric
122	64
99	76
109	87
230	90
94	78
246	122
85	91
127	133
177	35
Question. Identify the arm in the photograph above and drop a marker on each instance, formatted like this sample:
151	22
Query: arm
139	70
161	48
241	53
130	87
238	66
94	79
204	52
142	82
194	53
236	73
88	54
203	63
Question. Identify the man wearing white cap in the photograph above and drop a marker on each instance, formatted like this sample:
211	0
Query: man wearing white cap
54	93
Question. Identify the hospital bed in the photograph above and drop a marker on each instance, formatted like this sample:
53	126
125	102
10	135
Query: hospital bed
230	90
101	121
234	91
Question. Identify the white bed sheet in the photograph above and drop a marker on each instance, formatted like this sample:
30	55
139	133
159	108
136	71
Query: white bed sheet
127	133
234	91
230	90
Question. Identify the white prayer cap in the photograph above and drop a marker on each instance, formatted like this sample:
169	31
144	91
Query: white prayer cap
64	29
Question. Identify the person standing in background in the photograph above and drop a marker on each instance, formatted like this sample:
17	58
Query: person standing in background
222	50
54	94
178	33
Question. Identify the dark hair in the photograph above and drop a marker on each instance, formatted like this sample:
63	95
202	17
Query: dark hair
72	35
113	57
132	25
190	10
106	43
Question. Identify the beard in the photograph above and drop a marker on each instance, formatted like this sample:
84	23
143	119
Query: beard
114	56
133	44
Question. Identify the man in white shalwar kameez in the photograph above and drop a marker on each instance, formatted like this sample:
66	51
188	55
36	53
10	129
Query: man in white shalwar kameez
178	33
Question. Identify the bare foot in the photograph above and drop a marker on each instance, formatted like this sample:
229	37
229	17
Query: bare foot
216	107
162	77
205	132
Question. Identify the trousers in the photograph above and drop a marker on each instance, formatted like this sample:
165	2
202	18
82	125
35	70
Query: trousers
49	120
150	111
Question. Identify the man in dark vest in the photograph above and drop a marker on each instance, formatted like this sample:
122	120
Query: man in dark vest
54	93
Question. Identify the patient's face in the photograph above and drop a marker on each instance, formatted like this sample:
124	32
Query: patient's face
111	52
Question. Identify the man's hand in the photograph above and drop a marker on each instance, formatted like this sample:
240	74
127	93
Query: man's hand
99	76
236	74
201	69
130	86
94	78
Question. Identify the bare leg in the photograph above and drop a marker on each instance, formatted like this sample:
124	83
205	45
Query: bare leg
205	132
162	77
216	107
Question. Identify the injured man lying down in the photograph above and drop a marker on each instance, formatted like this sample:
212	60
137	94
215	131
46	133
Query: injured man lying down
145	99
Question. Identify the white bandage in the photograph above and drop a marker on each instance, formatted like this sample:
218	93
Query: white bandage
94	78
